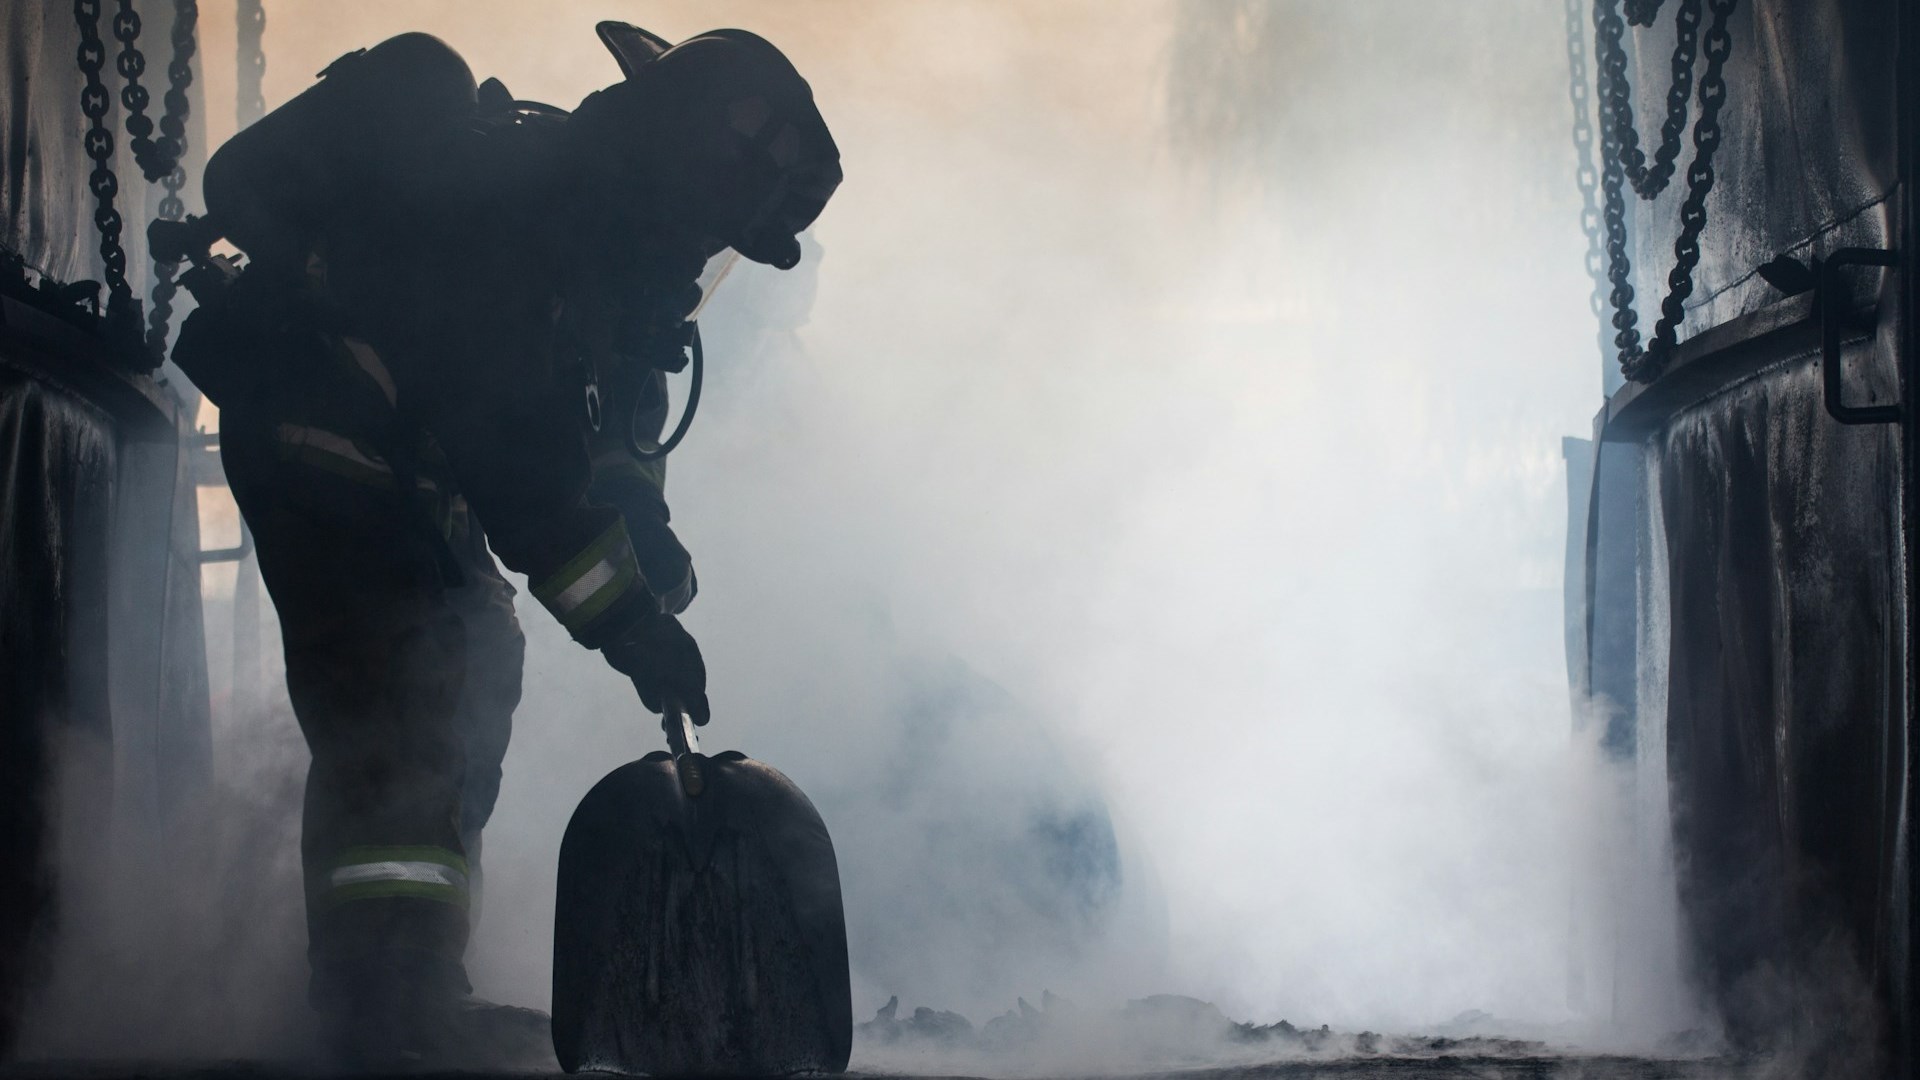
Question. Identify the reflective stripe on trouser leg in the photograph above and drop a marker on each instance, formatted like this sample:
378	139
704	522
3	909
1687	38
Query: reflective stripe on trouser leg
375	873
333	452
591	580
344	456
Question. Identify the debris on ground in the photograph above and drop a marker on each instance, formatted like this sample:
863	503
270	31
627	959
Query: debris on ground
1168	1029
928	1025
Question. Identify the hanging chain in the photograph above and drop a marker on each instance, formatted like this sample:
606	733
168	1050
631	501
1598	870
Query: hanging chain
1643	365
173	128
131	65
1693	212
152	156
252	61
1616	94
173	122
1585	174
122	313
1606	31
1649	182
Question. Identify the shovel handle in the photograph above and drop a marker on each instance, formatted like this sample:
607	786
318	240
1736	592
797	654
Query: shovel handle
684	743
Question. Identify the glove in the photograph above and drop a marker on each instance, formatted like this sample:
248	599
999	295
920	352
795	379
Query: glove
664	561
664	663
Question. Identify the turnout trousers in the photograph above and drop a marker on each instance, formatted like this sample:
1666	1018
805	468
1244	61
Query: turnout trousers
403	663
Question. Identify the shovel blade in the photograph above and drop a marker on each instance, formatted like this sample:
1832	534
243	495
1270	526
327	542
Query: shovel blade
699	935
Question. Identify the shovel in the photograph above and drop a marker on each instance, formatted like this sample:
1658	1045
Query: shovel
698	928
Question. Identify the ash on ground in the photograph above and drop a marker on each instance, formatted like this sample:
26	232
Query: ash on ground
1159	1032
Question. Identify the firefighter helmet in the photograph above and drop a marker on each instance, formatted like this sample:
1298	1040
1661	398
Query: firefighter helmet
720	131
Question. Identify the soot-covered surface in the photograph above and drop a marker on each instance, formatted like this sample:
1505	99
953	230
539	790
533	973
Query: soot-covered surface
655	884
57	454
1785	703
1807	157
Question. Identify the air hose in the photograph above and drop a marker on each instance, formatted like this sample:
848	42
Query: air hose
655	453
649	452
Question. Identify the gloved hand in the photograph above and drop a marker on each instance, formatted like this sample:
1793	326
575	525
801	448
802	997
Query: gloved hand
664	663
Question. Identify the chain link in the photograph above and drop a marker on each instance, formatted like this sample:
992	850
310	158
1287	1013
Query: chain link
95	101
1638	364
1693	212
1606	44
173	126
1617	109
1586	175
252	61
173	121
132	64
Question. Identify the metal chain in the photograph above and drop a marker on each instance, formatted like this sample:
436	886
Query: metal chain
1585	174
131	64
252	61
1613	213
1638	364
173	127
1648	181
95	100
1693	212
173	122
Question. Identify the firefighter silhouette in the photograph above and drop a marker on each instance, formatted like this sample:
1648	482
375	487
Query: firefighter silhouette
452	334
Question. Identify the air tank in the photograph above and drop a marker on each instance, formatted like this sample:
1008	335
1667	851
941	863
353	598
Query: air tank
272	187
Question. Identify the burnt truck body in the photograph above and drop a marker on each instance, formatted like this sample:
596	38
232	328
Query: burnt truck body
102	651
1741	561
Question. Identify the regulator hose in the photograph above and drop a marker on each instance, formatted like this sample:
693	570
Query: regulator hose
645	452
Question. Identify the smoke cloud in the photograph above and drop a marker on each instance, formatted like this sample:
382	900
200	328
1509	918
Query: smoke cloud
1138	526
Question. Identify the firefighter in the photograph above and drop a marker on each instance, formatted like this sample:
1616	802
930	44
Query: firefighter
451	335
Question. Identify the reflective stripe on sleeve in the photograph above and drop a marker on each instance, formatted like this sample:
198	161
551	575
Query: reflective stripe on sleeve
620	463
590	580
373	873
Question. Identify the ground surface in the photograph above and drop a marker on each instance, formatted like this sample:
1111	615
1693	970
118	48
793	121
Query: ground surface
1391	1068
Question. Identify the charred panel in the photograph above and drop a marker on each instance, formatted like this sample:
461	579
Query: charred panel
1785	704
57	454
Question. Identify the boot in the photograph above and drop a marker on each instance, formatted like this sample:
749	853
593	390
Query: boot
493	1037
403	1010
464	1034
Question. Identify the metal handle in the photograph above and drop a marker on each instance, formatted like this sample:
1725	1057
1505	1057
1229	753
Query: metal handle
204	464
1832	301
232	554
684	743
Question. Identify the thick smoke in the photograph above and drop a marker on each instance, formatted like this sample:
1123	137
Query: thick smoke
1139	524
